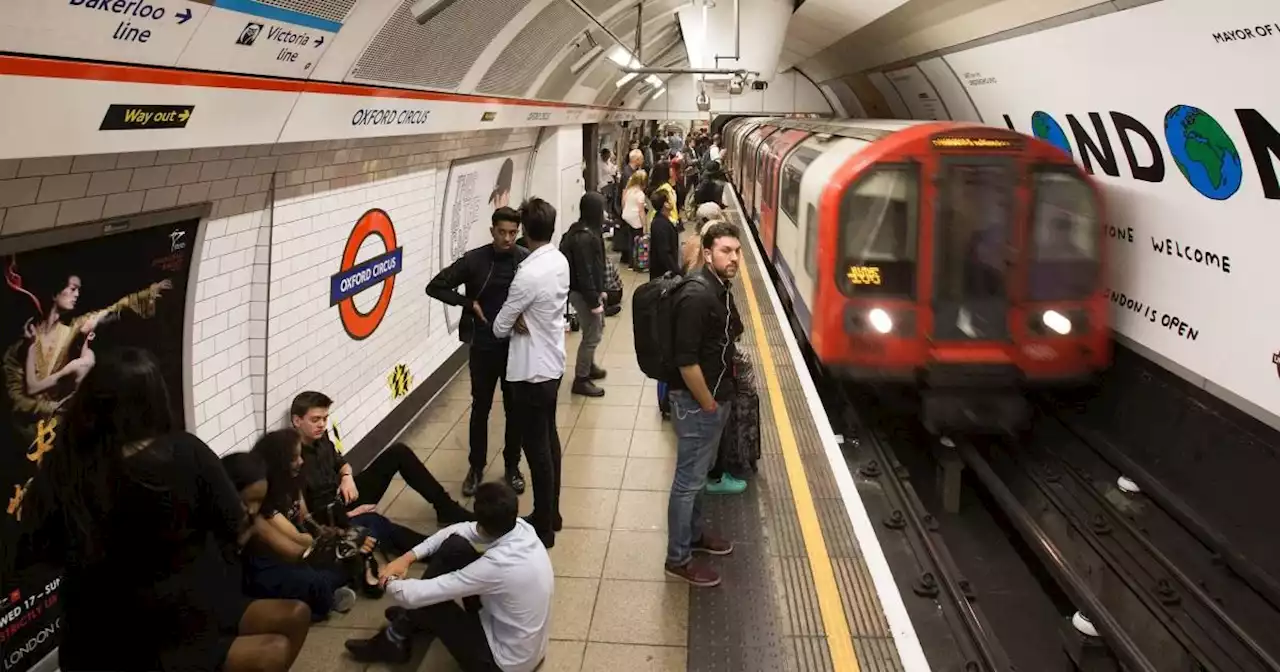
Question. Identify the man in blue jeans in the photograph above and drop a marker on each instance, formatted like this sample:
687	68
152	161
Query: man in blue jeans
707	325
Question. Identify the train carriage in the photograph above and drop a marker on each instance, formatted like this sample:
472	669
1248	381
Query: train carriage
959	259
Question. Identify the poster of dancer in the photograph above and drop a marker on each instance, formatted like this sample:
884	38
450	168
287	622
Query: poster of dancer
58	307
476	187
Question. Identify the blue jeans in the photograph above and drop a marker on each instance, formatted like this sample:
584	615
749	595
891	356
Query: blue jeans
697	442
268	578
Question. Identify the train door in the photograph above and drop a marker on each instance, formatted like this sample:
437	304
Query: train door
750	162
975	248
778	146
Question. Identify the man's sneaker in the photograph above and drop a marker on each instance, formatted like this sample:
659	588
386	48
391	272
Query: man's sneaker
710	544
598	373
515	479
726	485
379	649
474	478
695	574
343	600
586	388
452	513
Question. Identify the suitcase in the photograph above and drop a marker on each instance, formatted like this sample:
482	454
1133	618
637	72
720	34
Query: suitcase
640	253
740	443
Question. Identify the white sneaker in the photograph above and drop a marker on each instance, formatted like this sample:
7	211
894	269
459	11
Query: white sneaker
343	600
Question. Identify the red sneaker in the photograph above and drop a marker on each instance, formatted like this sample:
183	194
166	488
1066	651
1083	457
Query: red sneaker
695	574
710	544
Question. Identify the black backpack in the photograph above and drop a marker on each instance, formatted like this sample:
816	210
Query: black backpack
653	305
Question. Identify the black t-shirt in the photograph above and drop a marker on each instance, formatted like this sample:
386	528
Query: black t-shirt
321	471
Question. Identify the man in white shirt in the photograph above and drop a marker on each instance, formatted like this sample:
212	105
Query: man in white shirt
534	311
500	559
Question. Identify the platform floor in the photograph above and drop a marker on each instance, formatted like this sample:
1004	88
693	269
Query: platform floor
614	610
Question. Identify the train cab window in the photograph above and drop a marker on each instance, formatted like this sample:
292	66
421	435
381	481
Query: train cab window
1064	258
879	222
975	222
792	173
811	240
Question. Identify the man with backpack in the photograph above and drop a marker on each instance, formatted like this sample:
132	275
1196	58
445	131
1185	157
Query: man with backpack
686	329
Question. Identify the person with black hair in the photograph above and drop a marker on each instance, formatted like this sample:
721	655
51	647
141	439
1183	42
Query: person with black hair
335	493
138	514
507	627
535	310
707	325
271	552
485	273
583	246
664	238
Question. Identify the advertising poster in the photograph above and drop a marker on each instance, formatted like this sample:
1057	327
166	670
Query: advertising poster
60	306
919	94
476	187
1160	108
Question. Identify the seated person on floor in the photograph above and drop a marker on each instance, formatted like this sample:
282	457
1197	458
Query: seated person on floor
289	552
500	559
334	493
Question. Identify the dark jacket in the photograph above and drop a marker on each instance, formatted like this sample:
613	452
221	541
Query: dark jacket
707	326
321	467
486	276
583	246
710	190
664	247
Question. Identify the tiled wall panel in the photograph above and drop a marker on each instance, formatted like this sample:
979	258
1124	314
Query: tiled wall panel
262	325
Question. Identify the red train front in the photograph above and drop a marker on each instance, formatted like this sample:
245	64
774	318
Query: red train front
964	260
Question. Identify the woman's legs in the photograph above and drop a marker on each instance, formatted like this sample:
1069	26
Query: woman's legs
290	618
259	653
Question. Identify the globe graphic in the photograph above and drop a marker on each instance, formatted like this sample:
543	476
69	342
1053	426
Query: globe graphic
1203	151
1046	128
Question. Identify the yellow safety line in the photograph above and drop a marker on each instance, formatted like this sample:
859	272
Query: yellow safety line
839	639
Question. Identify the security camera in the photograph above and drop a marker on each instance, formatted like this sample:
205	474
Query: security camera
703	102
425	10
735	85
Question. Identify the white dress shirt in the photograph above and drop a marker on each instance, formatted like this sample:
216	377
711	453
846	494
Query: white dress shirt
539	292
514	582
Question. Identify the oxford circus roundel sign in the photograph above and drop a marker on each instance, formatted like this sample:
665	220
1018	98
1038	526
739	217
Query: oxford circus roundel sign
353	278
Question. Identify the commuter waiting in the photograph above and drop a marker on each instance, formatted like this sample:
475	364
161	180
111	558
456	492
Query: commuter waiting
333	493
583	247
138	515
707	324
664	236
512	578
273	553
485	273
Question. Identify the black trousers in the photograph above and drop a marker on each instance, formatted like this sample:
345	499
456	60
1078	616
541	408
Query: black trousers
457	628
488	368
399	459
534	408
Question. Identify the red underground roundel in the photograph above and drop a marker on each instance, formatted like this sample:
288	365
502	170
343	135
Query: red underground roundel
353	278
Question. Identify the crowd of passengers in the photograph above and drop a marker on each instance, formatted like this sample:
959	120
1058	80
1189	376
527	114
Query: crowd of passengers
174	559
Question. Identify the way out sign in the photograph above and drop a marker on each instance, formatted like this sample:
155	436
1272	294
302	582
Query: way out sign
143	117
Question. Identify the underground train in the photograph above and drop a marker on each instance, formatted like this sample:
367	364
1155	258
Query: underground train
959	261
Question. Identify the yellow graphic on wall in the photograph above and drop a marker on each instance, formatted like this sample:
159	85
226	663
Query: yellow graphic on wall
337	436
400	381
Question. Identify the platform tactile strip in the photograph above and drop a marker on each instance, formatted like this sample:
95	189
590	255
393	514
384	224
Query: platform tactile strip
765	616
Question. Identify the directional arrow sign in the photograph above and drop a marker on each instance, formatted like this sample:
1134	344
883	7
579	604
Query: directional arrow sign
145	117
319	41
184	16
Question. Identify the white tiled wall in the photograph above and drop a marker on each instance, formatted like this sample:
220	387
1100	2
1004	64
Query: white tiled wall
263	327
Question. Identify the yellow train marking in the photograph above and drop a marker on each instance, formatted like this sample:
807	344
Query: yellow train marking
834	623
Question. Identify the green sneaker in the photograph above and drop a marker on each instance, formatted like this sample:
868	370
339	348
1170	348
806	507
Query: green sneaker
727	485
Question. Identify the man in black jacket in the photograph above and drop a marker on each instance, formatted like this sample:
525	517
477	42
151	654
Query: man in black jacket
583	246
486	272
707	325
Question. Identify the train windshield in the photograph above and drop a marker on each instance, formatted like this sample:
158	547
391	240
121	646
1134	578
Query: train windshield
973	248
1064	255
879	221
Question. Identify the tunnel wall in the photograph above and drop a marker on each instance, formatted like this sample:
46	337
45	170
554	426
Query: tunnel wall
1154	102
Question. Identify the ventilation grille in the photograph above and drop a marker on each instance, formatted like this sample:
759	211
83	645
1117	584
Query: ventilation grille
598	7
531	50
333	10
439	54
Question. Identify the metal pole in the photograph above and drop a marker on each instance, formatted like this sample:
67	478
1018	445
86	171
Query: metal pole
737	34
639	30
688	71
591	17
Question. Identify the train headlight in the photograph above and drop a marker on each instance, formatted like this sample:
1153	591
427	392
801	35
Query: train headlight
880	320
1056	322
